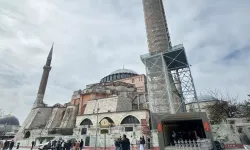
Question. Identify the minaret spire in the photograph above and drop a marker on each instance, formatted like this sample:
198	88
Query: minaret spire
156	26
42	88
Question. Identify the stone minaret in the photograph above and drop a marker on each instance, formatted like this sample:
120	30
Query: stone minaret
156	26
44	80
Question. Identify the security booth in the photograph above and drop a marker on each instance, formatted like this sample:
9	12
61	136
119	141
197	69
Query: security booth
181	127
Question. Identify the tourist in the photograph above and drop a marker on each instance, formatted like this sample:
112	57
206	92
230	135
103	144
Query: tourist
18	144
11	144
142	143
69	145
32	144
74	146
1	145
125	143
49	145
58	145
63	145
174	137
77	145
5	145
117	144
81	144
148	143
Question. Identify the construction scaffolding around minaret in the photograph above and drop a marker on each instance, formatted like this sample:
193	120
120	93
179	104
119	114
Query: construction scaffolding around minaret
169	80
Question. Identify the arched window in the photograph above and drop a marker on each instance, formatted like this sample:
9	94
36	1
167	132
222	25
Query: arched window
119	76
86	122
106	122
130	120
27	135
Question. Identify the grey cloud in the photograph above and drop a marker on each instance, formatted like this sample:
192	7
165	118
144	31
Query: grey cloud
95	37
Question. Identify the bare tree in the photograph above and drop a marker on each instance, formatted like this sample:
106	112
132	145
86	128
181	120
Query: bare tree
244	109
224	107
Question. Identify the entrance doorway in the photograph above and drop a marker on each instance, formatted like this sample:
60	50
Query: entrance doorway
175	130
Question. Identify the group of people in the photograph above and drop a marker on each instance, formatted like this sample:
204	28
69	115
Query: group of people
64	145
7	145
124	143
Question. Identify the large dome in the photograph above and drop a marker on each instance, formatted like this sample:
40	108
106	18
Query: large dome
206	98
123	71
119	74
9	120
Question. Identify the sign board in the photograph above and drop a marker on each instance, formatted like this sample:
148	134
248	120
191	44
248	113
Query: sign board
144	122
159	127
144	126
206	126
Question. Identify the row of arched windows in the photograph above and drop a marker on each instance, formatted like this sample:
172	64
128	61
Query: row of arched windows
127	120
117	77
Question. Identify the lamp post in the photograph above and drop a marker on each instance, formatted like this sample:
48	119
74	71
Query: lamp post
151	117
96	125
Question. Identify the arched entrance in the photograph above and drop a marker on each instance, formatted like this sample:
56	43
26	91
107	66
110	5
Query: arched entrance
27	135
86	123
129	122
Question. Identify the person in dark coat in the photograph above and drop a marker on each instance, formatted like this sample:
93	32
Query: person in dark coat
142	143
11	144
148	143
125	143
69	144
32	144
81	144
18	144
117	144
6	145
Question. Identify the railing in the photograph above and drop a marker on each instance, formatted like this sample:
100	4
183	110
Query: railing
203	144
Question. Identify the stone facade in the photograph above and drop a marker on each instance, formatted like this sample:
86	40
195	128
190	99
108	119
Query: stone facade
111	104
139	82
69	117
116	130
56	117
117	117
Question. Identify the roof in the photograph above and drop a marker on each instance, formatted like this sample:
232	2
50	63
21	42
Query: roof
9	120
119	74
123	71
203	98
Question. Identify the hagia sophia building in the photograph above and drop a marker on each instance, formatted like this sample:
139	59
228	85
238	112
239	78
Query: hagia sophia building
115	106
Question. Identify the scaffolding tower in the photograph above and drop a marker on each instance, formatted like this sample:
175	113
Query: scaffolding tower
169	80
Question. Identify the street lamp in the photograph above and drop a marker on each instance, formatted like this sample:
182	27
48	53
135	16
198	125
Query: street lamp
151	118
96	124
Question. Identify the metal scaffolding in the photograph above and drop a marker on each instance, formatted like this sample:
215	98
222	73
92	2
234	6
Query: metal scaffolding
170	83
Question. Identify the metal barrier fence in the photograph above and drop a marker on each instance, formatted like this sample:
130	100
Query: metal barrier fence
203	144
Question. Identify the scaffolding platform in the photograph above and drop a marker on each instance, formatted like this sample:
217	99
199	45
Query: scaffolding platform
170	83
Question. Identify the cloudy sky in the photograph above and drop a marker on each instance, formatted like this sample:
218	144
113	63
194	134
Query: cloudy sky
95	37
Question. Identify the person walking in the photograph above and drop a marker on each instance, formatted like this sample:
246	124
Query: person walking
81	144
125	143
117	144
63	145
142	143
32	144
148	143
5	145
11	144
1	145
69	144
17	146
